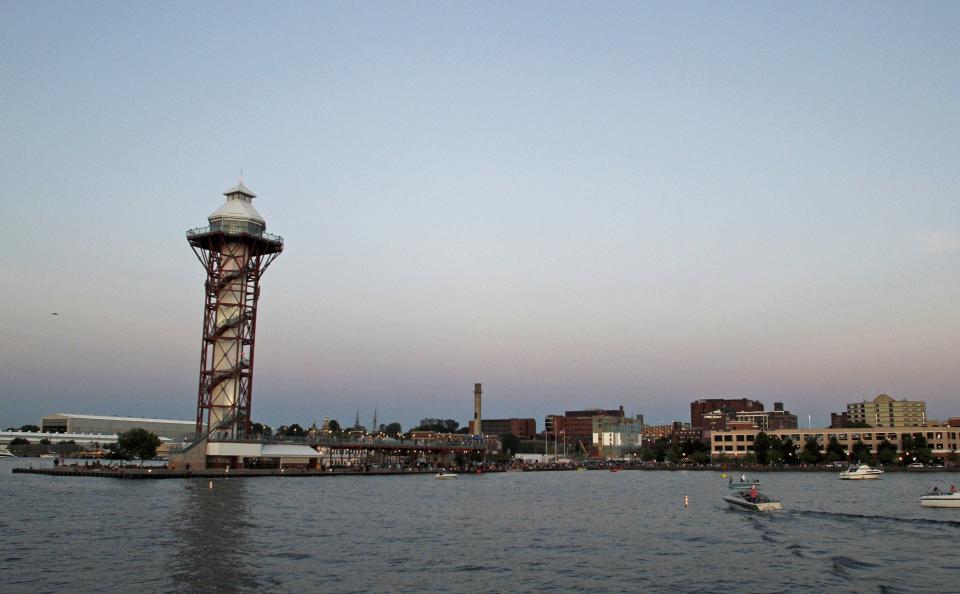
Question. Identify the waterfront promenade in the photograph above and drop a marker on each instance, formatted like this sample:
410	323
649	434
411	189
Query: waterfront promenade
161	472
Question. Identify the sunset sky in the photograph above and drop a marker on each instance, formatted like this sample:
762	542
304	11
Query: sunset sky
579	205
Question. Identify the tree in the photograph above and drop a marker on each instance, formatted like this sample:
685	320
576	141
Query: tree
923	453
294	430
835	451
689	447
509	442
647	454
138	443
700	457
334	426
776	450
861	451
45	441
19	441
761	448
438	425
31	428
886	452
261	429
789	452
811	452
393	429
660	448
673	455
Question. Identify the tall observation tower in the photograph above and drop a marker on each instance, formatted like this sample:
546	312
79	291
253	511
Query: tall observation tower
235	250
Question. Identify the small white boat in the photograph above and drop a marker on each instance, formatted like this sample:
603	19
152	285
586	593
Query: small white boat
446	475
744	485
5	453
742	500
936	499
860	472
48	456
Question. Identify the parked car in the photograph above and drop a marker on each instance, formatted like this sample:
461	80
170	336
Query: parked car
916	465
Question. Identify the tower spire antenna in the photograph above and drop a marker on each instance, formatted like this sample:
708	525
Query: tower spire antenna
241	175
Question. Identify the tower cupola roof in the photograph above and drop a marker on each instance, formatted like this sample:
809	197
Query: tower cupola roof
238	208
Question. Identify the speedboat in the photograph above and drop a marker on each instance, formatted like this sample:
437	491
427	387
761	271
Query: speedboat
860	472
446	475
5	453
938	499
744	485
743	501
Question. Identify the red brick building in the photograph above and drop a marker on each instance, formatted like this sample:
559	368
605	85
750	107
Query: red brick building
522	428
699	408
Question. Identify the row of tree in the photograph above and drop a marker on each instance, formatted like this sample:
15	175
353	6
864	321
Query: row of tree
30	428
334	427
771	449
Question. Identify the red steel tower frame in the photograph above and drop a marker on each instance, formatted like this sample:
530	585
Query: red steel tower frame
235	253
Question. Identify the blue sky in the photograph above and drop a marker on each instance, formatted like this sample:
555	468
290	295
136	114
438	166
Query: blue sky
578	205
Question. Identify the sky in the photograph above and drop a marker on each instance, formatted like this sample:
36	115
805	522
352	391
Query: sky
579	205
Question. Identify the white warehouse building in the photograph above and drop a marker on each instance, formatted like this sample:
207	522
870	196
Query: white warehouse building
71	423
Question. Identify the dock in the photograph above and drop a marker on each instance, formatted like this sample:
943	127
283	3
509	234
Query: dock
213	473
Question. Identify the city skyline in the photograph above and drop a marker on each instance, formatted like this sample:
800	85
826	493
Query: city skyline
575	206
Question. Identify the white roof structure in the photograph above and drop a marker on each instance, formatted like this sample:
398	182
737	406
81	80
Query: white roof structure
257	450
288	451
128	419
238	207
240	189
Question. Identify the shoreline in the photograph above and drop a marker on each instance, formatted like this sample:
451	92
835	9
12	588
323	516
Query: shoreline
154	473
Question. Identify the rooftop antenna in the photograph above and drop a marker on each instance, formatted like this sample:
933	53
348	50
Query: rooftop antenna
241	175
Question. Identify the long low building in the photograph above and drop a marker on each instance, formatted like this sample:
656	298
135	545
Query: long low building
74	423
739	442
84	439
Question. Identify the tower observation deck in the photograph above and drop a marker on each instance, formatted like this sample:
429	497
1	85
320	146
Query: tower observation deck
235	250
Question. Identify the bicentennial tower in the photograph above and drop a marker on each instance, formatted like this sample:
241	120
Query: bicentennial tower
235	249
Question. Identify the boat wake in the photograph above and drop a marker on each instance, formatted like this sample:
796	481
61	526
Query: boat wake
843	565
914	521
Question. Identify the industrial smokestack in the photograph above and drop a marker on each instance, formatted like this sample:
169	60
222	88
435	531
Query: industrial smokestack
477	396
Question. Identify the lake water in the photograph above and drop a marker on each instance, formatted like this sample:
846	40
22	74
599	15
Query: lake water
515	532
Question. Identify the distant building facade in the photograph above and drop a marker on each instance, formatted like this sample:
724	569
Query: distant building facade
839	420
587	430
725	406
739	442
770	419
612	436
522	428
885	411
652	433
73	423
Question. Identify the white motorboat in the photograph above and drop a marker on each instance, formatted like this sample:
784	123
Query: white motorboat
743	485
860	472
5	453
937	499
742	500
446	475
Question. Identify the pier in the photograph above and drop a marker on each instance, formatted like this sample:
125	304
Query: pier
218	473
